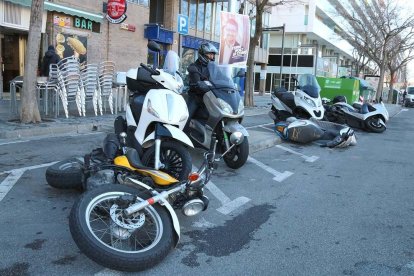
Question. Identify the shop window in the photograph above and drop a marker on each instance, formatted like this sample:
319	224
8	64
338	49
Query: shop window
157	12
219	6
139	2
152	57
200	15
193	13
188	57
209	16
184	7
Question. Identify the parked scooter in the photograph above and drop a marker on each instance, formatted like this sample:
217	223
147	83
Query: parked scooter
156	115
366	116
221	115
305	102
133	226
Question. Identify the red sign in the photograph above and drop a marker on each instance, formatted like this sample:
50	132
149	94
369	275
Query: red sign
115	11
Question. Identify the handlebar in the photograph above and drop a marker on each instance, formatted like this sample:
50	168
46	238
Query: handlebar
149	69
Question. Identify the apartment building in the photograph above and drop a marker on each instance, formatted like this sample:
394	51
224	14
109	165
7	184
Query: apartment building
310	44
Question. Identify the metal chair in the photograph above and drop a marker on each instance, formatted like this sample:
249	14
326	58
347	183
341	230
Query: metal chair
69	84
89	85
105	83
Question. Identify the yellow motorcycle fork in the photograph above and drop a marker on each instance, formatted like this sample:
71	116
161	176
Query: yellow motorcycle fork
159	177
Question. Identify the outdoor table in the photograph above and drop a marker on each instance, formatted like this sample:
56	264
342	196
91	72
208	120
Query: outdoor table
41	83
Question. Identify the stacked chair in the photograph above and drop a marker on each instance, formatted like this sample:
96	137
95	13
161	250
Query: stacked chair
91	83
89	87
105	83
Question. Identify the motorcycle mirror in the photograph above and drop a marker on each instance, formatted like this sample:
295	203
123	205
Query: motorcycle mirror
154	46
236	138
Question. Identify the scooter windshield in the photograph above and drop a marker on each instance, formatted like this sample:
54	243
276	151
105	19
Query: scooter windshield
171	66
308	84
220	76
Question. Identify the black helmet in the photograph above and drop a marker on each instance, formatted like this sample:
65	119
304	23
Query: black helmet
205	49
339	99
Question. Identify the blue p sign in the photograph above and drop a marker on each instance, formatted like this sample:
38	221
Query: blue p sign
182	24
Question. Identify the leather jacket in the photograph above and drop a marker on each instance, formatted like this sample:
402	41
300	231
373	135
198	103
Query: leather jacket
201	74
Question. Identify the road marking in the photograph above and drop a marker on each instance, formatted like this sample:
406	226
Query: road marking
14	175
228	205
262	125
108	272
13	142
203	223
278	176
54	136
310	159
410	265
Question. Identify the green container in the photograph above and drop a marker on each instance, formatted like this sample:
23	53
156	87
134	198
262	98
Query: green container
331	87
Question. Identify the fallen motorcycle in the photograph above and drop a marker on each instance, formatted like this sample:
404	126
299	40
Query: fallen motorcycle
366	116
133	226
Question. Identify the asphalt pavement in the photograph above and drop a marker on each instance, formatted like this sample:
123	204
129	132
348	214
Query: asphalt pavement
11	128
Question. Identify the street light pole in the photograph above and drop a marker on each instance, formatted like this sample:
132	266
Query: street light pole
283	49
276	29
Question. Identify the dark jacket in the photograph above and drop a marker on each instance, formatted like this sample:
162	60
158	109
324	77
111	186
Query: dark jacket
201	74
50	58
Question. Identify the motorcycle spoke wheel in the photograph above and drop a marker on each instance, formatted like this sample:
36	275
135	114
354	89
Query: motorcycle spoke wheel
133	234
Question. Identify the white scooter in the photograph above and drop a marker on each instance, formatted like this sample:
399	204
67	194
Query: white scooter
363	115
156	115
304	103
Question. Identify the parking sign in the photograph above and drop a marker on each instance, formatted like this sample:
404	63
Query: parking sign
182	22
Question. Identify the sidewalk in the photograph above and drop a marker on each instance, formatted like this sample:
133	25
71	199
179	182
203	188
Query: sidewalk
11	129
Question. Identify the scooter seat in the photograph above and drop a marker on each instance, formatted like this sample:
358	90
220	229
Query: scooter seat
133	159
286	97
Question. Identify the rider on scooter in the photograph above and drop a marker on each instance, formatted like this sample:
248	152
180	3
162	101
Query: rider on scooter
206	53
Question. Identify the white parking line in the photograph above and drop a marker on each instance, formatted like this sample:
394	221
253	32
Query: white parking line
14	175
262	125
228	205
108	272
307	158
278	176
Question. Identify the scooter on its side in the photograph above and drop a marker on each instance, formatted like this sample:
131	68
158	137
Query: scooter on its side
305	102
362	115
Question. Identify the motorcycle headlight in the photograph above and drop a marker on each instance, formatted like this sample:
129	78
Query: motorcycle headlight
241	106
225	106
152	110
309	101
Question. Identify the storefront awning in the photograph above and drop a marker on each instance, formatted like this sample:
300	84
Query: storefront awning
60	8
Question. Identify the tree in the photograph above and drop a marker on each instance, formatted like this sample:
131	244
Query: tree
373	27
401	54
30	110
261	6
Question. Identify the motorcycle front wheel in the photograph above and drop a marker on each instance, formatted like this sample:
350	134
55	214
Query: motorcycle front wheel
238	155
174	156
374	125
112	239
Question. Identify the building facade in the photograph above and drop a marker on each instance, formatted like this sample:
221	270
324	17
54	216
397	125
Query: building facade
82	23
310	45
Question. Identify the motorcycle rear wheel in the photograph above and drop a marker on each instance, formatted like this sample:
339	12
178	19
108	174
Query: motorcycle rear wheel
174	156
66	174
373	125
110	238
